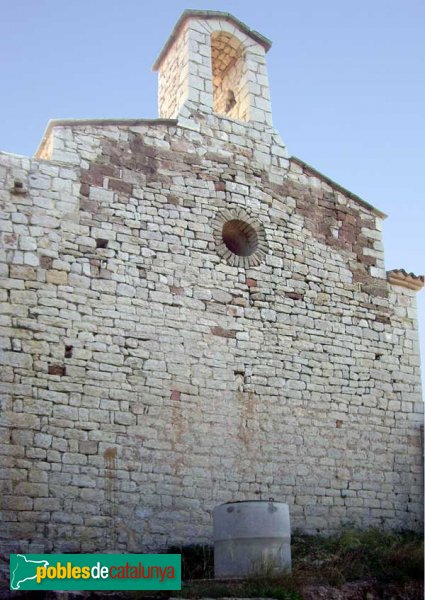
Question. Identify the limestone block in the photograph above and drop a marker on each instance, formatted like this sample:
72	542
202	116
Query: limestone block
57	277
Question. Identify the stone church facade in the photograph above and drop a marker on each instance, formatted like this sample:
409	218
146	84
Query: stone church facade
191	316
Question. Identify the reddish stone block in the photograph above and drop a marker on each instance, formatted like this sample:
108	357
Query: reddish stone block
91	177
220	332
9	240
294	295
46	262
117	185
89	206
179	291
251	282
369	260
96	173
57	370
175	395
385	319
84	189
220	186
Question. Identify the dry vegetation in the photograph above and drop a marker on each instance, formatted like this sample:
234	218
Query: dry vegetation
376	562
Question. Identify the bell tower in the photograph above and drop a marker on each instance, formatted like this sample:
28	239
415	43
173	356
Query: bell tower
213	62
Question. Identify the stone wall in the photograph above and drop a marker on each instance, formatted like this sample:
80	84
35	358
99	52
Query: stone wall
145	379
229	77
195	53
173	85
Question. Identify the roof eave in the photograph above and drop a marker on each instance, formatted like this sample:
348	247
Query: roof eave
410	281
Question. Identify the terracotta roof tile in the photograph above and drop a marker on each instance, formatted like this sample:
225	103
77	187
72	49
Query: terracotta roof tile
405	279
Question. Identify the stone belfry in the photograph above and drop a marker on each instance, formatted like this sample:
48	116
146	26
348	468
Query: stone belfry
214	63
189	316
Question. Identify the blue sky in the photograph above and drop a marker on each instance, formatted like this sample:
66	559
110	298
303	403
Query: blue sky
347	84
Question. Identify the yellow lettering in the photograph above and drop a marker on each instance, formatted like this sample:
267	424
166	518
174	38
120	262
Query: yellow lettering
40	573
61	571
85	572
76	571
51	572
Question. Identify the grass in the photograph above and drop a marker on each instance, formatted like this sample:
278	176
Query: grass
354	555
386	558
197	561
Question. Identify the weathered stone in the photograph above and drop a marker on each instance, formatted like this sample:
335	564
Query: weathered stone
16	359
16	503
32	490
57	370
190	317
22	272
86	447
126	290
57	277
65	412
46	262
221	332
42	440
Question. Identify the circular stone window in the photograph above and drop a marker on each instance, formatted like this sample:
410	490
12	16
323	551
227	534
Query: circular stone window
240	238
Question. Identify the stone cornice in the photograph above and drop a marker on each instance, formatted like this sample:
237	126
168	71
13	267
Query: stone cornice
407	280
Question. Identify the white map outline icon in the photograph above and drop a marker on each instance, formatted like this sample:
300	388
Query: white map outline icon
15	586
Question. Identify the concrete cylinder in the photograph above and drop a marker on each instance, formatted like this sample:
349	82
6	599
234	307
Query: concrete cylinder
251	538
